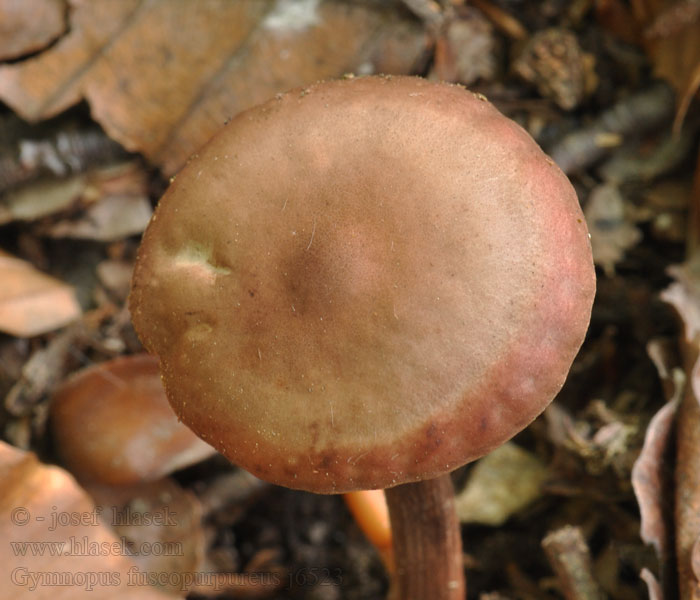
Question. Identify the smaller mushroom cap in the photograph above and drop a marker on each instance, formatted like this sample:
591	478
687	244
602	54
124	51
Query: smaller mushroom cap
364	283
112	424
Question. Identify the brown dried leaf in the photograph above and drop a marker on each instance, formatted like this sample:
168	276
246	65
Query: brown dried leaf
502	483
29	25
43	562
116	198
674	18
111	219
611	231
615	17
653	585
688	488
695	559
40	199
163	93
466	51
115	276
651	475
183	562
41	372
31	302
177	531
113	424
666	207
663	352
673	49
687	96
684	295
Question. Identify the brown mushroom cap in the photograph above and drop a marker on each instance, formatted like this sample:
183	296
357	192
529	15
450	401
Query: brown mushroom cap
364	283
112	424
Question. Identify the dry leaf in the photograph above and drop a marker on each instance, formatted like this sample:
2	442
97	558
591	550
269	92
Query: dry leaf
112	218
615	17
32	303
116	198
653	586
674	51
651	476
684	295
466	51
53	544
40	199
185	563
688	486
29	25
179	534
115	201
666	205
164	94
113	424
45	367
611	231
115	276
502	483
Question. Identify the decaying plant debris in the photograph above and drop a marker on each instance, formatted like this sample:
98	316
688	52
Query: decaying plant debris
103	102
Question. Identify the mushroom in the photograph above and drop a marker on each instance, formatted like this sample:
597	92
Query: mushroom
102	419
365	284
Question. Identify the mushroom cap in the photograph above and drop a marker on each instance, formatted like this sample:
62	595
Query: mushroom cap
364	283
112	424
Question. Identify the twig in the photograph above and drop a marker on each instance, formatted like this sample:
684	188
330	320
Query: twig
570	559
638	114
29	152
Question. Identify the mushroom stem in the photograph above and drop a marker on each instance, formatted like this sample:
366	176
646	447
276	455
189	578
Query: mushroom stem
427	541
